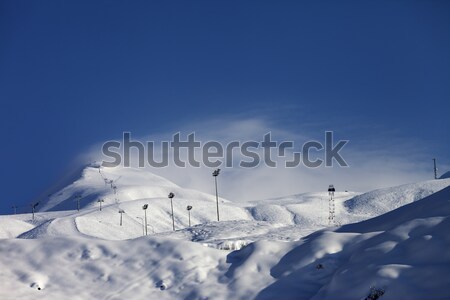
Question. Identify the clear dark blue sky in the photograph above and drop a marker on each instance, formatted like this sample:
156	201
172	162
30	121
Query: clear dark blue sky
75	73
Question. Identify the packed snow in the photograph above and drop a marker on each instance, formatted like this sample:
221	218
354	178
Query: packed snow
389	242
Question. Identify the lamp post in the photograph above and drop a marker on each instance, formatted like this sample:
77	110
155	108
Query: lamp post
121	212
171	195
33	208
215	174
189	214
435	168
100	201
144	207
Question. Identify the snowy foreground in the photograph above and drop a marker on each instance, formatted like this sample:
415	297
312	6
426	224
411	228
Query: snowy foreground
392	244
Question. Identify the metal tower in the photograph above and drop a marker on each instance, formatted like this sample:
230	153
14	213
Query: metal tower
331	211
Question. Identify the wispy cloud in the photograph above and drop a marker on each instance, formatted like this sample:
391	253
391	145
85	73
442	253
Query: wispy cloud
374	162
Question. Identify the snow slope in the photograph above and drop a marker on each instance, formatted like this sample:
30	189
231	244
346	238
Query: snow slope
114	185
384	200
402	254
278	248
308	209
12	227
286	218
77	268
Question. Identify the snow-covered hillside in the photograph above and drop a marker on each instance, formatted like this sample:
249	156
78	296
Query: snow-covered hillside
384	200
279	248
114	186
286	218
401	254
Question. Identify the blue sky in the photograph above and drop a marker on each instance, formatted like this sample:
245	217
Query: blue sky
76	73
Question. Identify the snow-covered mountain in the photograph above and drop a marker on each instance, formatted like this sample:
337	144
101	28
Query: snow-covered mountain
392	240
114	186
128	189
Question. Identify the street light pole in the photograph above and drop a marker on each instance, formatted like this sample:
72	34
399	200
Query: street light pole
171	195
215	174
435	168
100	201
121	212
189	214
33	207
145	217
